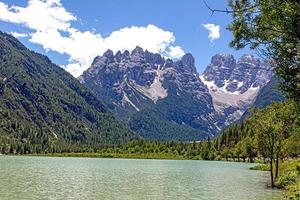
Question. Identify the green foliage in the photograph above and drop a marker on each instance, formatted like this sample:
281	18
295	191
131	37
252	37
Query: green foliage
273	26
148	150
279	121
288	179
154	126
271	134
45	109
261	167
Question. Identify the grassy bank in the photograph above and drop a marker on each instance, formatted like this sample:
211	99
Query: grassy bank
288	179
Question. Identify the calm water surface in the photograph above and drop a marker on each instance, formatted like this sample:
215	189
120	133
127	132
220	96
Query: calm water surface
93	178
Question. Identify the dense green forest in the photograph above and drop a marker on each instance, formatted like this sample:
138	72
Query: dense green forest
44	108
272	136
148	121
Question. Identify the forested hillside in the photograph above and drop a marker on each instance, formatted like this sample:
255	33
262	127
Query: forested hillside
43	108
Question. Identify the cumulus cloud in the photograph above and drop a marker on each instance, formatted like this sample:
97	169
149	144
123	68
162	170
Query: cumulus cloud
213	31
51	26
175	52
19	35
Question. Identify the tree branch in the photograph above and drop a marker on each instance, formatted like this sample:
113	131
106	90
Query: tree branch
217	10
226	10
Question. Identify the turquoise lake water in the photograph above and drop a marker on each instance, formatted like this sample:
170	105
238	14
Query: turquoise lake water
95	178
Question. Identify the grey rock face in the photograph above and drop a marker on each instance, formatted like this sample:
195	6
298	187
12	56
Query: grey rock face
234	85
131	82
238	76
220	69
138	82
187	63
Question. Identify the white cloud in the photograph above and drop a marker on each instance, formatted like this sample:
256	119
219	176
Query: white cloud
175	52
51	27
152	38
214	31
19	35
39	15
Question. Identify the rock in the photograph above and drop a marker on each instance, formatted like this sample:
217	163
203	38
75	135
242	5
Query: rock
141	80
131	83
234	85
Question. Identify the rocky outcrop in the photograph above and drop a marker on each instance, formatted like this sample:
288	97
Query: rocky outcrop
234	85
132	82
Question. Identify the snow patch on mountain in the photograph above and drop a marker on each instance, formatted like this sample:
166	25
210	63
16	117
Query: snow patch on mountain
233	85
223	98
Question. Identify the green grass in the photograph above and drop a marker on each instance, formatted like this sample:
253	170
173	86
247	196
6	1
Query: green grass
288	179
261	167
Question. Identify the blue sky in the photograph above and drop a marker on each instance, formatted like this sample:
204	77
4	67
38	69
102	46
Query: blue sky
72	32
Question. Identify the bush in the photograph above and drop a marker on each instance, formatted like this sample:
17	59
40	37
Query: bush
262	167
298	168
293	191
287	179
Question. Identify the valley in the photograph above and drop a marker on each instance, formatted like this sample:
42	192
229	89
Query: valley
130	99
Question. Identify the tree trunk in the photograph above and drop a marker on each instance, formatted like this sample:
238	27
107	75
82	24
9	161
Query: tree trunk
277	165
271	170
250	159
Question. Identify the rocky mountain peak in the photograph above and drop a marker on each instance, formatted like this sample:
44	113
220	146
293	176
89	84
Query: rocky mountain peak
126	54
118	56
222	59
247	57
233	84
138	51
188	62
141	80
154	58
220	69
109	54
132	82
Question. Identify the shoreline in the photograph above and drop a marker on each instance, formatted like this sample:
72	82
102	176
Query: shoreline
126	156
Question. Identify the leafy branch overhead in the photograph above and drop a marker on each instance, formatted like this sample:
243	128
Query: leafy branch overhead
273	27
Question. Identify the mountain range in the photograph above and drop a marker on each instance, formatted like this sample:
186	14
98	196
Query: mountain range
164	99
123	96
234	85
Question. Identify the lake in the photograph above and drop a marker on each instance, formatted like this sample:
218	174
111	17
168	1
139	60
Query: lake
23	177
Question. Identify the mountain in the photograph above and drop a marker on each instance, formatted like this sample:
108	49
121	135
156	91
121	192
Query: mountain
159	98
234	85
268	94
42	106
168	100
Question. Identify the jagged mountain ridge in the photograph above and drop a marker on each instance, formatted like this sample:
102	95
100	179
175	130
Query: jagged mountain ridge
131	83
141	86
234	85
